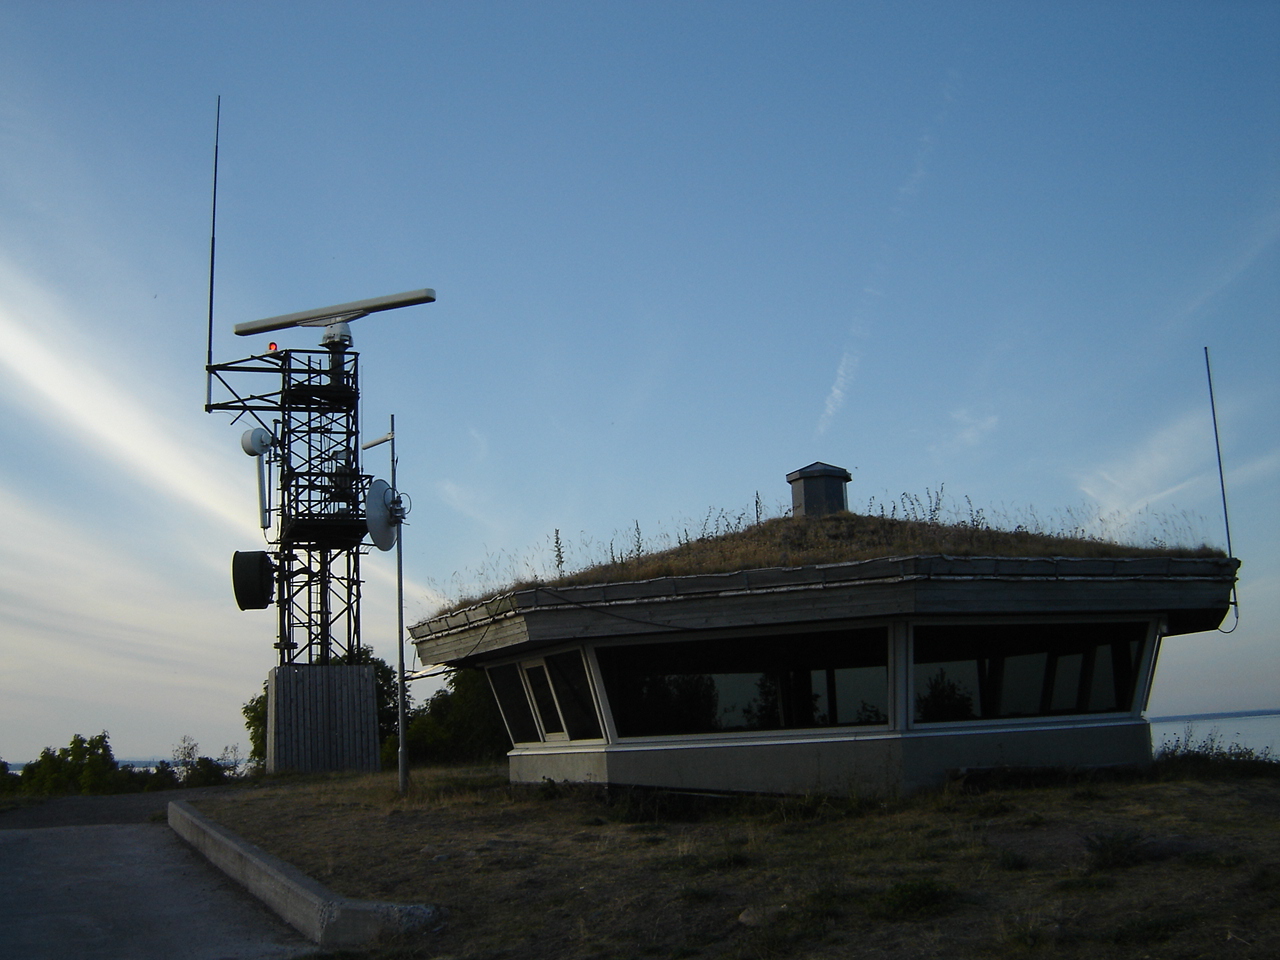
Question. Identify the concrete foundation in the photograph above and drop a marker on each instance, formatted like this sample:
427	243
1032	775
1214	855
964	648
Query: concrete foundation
886	764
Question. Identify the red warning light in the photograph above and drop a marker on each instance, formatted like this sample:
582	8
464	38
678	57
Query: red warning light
272	348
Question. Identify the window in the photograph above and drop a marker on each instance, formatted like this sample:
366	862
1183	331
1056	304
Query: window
838	678
509	692
546	699
988	671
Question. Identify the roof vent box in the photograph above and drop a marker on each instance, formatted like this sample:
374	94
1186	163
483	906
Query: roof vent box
818	489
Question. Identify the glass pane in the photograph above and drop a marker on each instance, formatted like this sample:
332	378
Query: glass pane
1102	693
862	695
1066	682
946	691
748	701
822	706
756	683
513	703
573	691
1023	684
542	698
974	671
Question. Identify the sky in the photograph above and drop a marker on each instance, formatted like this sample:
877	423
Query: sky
680	250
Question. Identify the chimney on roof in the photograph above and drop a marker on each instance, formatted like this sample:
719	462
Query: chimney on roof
818	489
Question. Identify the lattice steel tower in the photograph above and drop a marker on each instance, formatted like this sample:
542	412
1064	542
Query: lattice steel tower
307	436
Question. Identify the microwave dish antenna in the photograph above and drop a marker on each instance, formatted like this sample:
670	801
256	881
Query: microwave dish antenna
383	513
256	442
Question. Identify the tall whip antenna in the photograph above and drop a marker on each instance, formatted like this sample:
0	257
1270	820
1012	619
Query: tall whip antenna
213	243
1222	480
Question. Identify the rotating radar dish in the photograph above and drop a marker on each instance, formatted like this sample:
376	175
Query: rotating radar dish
383	522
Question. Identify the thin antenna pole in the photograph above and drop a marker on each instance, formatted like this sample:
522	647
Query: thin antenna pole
1217	443
1222	485
213	244
403	752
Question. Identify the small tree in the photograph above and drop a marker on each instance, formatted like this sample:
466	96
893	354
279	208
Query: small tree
459	724
9	782
85	766
255	721
194	770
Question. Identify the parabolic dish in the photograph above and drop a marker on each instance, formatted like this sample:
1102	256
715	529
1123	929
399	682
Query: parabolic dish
253	579
256	442
383	527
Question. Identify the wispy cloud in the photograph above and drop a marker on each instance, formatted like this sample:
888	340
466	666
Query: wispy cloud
466	502
63	386
1176	458
973	427
873	285
835	396
919	168
1262	235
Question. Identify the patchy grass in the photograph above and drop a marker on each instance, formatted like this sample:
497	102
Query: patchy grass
726	544
1161	865
1210	757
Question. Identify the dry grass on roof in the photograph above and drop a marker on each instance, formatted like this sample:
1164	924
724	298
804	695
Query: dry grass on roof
840	538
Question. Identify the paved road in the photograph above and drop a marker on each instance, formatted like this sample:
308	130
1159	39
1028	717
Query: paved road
127	890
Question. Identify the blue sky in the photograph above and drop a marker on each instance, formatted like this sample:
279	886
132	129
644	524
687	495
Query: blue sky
680	249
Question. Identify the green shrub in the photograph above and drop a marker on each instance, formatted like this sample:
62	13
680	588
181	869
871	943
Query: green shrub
459	724
9	782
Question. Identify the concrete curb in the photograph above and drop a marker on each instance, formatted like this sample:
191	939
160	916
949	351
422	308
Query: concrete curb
314	911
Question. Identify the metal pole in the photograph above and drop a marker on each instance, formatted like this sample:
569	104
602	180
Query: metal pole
403	752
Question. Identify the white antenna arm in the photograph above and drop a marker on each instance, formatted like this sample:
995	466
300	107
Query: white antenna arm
326	316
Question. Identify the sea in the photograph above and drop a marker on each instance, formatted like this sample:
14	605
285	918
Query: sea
1256	730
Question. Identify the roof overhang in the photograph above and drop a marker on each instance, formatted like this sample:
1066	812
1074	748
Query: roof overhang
1190	594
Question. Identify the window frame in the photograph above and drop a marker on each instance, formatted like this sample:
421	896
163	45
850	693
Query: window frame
561	737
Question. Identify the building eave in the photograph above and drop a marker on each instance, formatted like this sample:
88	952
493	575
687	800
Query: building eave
1192	594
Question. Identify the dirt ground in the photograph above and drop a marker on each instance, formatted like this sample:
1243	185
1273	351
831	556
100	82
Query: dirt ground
1181	869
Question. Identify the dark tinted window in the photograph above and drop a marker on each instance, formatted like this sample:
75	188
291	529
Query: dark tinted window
973	672
540	687
573	691
514	704
760	683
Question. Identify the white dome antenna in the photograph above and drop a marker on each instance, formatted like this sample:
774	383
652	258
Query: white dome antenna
256	443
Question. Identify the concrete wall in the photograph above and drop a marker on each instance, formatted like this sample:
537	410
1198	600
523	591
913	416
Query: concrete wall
884	764
321	718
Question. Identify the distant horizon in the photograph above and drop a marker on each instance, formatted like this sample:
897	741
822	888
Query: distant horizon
15	767
1230	715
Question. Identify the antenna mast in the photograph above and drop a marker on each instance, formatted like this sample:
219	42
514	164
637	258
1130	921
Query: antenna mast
1222	481
213	242
1217	443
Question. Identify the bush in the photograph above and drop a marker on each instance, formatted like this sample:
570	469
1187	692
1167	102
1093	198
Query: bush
1210	758
85	766
9	782
459	724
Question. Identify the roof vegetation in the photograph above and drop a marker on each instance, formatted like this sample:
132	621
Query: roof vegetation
734	543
